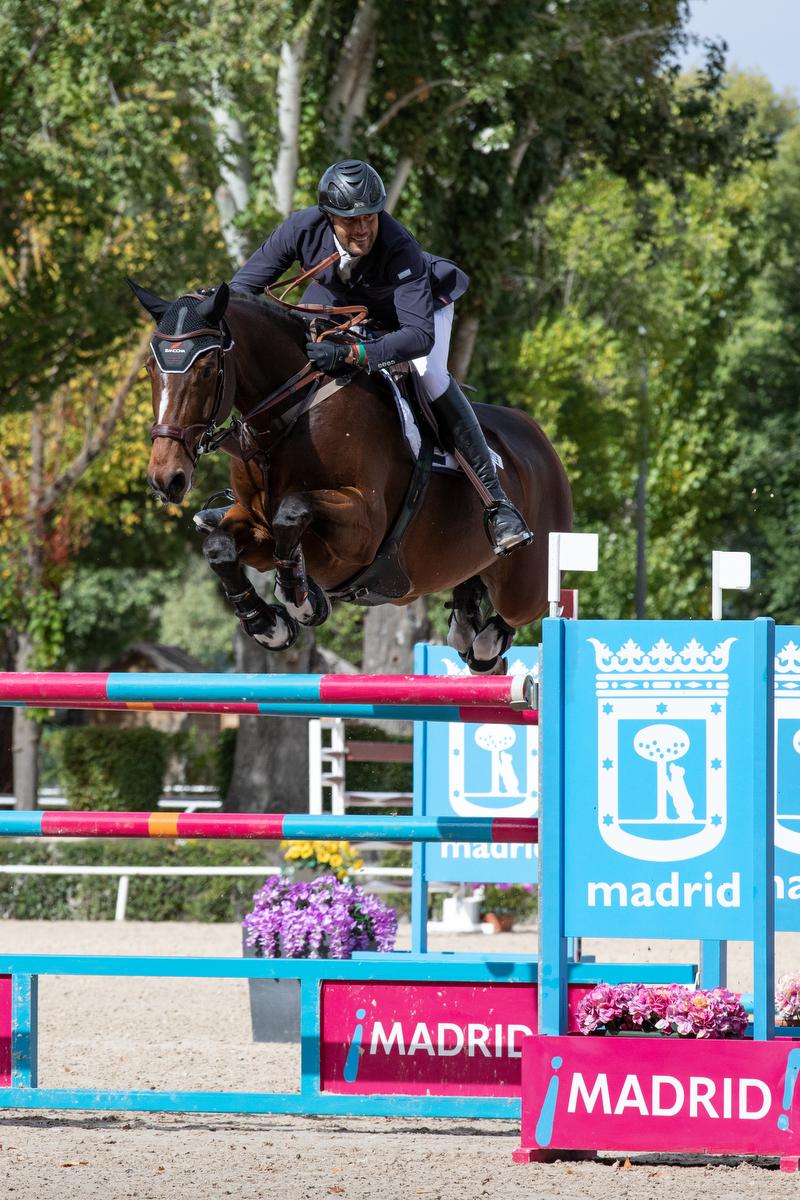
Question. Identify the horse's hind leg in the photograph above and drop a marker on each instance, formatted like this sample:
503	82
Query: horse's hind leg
269	625
466	618
302	597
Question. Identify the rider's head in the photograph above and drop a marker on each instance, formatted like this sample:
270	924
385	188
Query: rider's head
352	194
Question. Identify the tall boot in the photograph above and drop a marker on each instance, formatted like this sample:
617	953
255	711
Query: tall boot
505	526
209	518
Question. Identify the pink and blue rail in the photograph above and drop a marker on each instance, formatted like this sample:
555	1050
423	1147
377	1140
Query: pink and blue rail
267	827
366	712
506	691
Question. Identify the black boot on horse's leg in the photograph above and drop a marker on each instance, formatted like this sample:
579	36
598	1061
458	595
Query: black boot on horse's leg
486	653
303	598
505	526
466	619
267	624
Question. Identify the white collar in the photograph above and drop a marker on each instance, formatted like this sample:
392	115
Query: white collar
346	261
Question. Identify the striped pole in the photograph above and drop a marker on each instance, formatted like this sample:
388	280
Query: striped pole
267	827
376	712
507	691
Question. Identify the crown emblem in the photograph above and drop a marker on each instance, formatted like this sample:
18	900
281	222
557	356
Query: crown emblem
662	669
787	668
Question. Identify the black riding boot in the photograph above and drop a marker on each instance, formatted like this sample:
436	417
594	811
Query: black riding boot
505	526
209	518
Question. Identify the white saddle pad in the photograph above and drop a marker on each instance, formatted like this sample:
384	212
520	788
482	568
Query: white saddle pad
443	462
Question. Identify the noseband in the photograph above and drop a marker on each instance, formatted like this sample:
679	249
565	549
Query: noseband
223	395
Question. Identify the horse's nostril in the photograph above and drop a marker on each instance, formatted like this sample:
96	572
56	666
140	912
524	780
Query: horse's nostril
176	486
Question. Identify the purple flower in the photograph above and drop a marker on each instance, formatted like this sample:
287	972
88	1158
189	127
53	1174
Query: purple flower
322	919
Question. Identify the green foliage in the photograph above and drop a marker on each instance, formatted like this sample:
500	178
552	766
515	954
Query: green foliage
150	898
106	609
225	755
376	777
105	768
343	632
513	901
195	616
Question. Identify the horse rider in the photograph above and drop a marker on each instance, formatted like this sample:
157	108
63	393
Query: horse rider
404	288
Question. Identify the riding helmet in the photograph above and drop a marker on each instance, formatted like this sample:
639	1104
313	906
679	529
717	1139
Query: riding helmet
351	189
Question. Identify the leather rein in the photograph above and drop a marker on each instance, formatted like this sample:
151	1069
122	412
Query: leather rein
239	438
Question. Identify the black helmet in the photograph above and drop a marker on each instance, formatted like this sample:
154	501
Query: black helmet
351	189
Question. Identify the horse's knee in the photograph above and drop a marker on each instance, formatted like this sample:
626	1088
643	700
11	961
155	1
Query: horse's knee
292	518
219	549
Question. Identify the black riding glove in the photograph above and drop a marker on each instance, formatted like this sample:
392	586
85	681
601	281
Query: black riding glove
333	358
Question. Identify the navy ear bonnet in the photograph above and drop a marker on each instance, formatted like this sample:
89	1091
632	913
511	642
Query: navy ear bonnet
175	357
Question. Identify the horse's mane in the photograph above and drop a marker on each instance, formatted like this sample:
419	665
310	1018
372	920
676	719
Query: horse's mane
292	324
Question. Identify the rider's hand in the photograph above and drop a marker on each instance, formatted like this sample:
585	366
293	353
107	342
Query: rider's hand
332	357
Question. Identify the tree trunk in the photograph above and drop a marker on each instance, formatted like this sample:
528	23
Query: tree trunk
390	635
290	71
348	94
270	768
233	191
25	741
398	181
463	345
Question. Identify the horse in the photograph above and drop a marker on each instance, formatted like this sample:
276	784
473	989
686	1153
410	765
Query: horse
317	490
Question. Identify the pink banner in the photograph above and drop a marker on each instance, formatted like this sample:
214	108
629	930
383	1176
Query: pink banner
660	1094
426	1038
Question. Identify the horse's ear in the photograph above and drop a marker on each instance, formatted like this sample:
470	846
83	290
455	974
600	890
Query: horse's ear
213	307
149	300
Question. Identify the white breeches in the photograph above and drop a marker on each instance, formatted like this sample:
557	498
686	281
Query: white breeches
433	367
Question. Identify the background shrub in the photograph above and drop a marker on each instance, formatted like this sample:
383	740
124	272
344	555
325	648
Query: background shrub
106	768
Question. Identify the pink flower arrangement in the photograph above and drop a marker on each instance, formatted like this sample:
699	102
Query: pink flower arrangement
787	1000
616	1008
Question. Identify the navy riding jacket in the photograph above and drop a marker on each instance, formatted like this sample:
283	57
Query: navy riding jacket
398	282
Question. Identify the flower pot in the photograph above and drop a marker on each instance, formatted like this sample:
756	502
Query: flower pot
305	874
274	1006
500	922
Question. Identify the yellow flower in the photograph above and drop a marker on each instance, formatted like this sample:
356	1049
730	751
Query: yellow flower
336	861
358	864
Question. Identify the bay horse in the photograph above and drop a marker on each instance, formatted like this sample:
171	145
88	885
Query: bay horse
320	488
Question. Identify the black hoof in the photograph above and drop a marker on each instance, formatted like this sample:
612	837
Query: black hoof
321	603
277	631
491	666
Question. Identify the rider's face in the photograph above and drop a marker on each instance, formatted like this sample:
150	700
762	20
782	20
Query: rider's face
356	235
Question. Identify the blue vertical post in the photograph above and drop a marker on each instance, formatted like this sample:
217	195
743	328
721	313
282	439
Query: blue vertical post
552	795
310	1035
419	865
763	829
25	1031
713	964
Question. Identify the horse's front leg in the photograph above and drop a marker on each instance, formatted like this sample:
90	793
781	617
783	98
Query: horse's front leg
268	624
303	599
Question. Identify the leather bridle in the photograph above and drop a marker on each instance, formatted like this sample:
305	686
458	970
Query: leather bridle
239	438
224	392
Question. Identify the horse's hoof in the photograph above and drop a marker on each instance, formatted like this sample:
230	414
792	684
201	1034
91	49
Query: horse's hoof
274	629
315	609
492	666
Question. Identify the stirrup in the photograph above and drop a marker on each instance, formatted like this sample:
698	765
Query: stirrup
207	519
516	536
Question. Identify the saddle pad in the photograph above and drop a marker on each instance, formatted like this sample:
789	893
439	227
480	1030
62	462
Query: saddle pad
443	462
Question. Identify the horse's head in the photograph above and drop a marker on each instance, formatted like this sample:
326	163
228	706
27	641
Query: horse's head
191	395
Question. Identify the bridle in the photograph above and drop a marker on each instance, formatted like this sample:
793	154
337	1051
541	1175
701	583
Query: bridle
239	438
212	435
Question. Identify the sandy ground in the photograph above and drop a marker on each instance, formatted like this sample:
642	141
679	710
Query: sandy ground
195	1034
